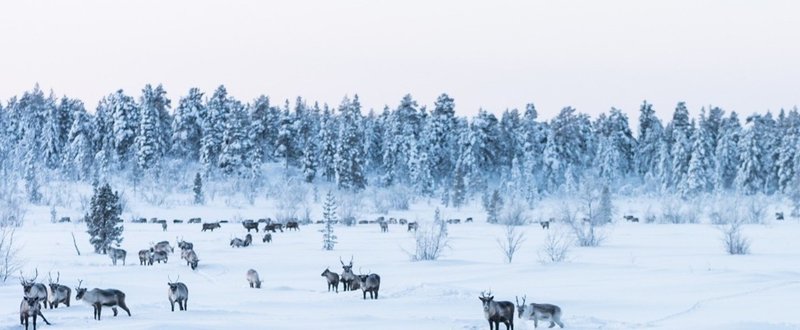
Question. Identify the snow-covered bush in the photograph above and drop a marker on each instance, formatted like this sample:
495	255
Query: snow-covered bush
511	242
12	211
735	243
9	260
515	215
756	209
399	197
587	233
676	211
349	207
430	241
556	247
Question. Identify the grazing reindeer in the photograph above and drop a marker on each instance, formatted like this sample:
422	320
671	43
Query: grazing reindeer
117	254
252	277
191	259
545	224
250	224
146	257
273	226
58	293
497	311
184	245
370	283
538	312
779	216
248	239
178	292
292	225
333	280
211	226
159	256
31	289
348	278
99	298
384	227
164	246
164	226
29	307
468	220
413	226
267	238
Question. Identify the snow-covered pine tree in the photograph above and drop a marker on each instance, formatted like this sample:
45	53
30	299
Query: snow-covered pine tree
350	148
151	142
236	145
493	206
101	222
605	209
263	131
751	173
790	138
647	149
327	145
459	189
681	146
699	176
329	216
217	109
79	157
187	130
727	153
124	123
197	189
284	144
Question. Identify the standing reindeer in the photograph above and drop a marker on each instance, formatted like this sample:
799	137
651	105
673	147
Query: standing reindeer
267	238
191	259
333	280
538	312
29	307
497	311
370	283
99	298
348	278
252	277
413	226
146	257
117	254
163	246
58	293
250	224
159	256
292	225
31	289
384	227
178	292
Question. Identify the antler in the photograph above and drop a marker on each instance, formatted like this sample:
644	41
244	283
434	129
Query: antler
21	278
178	279
169	278
79	283
524	298
58	277
35	276
49	278
351	260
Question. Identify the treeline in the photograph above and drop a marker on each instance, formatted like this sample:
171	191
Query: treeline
432	151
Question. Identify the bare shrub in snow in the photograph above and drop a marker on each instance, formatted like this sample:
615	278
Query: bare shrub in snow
290	198
380	200
511	242
515	215
675	211
556	247
756	210
430	241
9	252
12	210
399	197
349	208
587	233
735	243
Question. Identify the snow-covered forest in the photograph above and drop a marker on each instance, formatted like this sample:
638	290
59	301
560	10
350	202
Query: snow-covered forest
149	137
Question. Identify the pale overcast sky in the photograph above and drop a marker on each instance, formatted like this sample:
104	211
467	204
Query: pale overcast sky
592	55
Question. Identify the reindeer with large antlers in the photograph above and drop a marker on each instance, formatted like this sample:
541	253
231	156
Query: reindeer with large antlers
497	311
348	278
178	292
34	290
536	312
59	294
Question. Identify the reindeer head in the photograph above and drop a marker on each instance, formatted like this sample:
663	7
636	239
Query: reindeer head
27	285
173	286
53	285
486	299
79	291
32	302
326	272
521	307
349	267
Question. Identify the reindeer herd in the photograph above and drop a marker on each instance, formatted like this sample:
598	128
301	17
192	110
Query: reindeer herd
368	283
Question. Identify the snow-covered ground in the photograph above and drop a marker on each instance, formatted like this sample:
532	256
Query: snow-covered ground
644	276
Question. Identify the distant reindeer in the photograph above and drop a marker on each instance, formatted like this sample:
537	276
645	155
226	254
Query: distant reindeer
164	226
332	278
631	218
538	312
31	289
273	226
184	245
238	242
370	283
468	220
117	254
778	215
58	294
211	226
384	227
159	256
348	277
413	226
99	298
267	238
497	311
191	259
178	292
29	307
402	221
252	278
146	257
545	224
293	225
164	246
194	220
250	224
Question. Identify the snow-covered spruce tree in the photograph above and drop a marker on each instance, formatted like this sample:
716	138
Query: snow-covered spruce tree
440	140
217	109
605	209
699	179
233	157
101	222
459	189
79	156
121	122
187	131
152	141
327	145
197	188
682	145
493	206
284	145
727	153
329	216
646	152
349	151
788	151
751	172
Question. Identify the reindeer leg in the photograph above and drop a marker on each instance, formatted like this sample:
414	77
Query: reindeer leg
124	307
172	304
43	319
97	309
552	324
115	311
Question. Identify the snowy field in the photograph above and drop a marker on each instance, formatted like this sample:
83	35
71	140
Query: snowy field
650	276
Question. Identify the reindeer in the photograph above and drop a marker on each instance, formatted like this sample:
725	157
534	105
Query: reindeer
497	311
99	298
58	293
191	259
292	225
146	257
413	226
164	226
184	245
116	254
211	226
545	224
178	292
31	289
384	227
29	307
252	277
370	283
468	220
333	280
250	224
348	278
159	256
164	246
267	238
538	312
